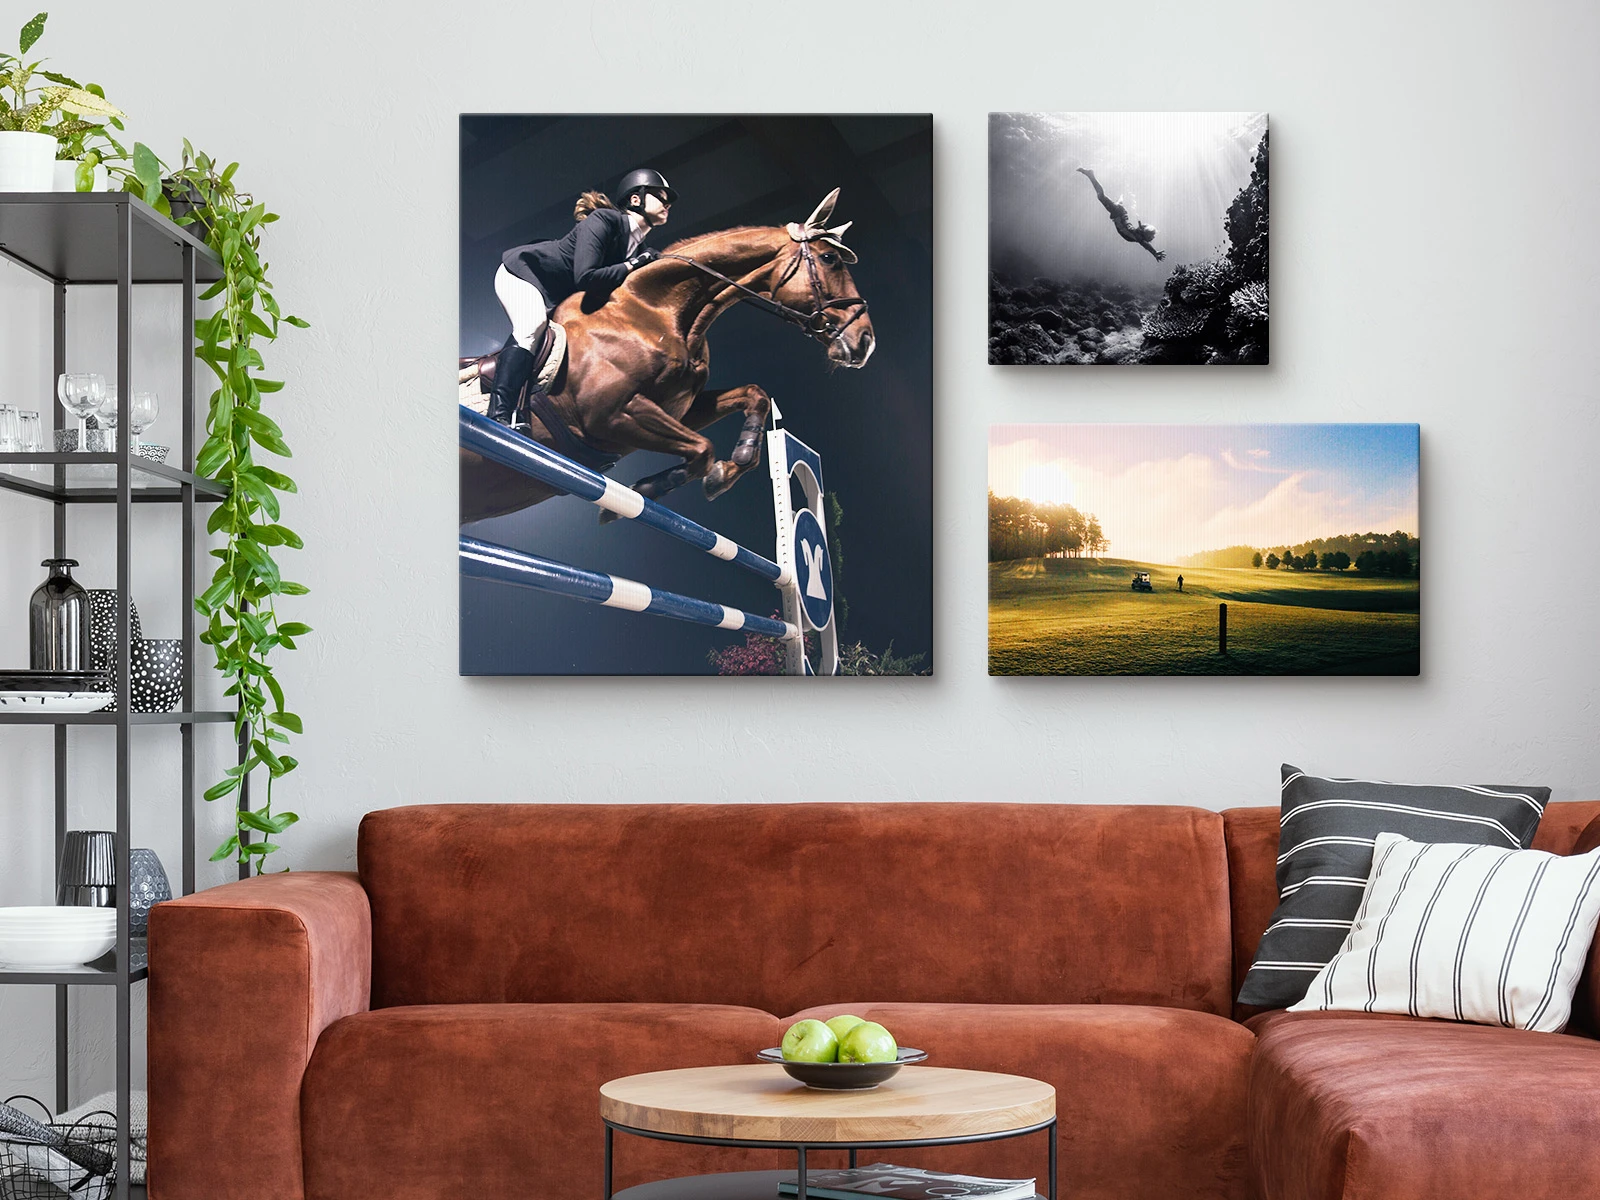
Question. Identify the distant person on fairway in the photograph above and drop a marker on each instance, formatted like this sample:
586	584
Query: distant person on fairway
1140	234
1180	583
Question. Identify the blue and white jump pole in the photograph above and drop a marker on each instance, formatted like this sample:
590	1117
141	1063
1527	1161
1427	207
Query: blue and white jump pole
806	586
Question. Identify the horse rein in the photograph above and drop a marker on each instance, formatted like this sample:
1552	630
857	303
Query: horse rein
818	323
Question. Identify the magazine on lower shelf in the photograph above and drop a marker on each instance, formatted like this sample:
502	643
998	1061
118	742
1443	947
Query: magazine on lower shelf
907	1183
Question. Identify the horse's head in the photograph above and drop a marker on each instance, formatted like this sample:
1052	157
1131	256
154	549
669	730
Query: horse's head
816	279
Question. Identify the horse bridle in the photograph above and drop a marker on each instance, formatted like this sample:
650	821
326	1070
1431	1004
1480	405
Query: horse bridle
819	322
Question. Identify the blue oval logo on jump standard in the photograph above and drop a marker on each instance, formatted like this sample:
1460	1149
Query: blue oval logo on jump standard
813	569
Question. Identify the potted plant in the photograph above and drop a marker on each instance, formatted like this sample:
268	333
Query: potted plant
28	142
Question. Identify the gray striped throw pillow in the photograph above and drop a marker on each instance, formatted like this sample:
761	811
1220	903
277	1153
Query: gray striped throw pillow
1325	856
1466	933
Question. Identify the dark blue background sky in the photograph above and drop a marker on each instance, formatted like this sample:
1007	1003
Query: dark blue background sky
873	427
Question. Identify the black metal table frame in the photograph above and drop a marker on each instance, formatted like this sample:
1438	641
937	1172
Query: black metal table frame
800	1148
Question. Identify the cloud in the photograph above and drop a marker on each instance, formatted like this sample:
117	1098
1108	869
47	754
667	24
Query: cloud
1239	464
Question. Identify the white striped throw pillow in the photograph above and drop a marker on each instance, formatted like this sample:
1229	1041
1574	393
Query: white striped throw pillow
1466	933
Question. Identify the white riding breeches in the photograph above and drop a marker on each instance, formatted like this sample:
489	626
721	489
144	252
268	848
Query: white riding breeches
525	304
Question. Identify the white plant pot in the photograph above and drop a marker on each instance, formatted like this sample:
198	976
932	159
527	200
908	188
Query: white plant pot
27	162
66	172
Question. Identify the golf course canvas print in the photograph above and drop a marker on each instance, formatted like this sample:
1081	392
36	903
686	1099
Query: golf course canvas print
1204	550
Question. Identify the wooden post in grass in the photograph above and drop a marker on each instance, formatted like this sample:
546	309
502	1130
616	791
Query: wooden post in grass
1222	628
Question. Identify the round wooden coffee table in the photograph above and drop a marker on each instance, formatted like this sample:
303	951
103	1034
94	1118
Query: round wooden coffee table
761	1107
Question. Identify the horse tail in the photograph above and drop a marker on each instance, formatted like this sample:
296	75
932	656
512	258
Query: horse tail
588	203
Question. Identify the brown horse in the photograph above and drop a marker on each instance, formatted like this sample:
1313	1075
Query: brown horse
637	361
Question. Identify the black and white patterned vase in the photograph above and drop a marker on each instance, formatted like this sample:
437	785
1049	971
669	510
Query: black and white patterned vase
156	681
147	886
103	636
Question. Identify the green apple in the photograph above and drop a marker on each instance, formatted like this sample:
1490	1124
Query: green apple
844	1023
810	1041
868	1042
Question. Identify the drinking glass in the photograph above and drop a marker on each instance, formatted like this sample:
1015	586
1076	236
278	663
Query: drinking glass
80	395
107	414
32	438
142	414
10	430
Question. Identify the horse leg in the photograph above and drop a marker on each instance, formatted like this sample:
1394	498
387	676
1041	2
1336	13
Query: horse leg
710	407
645	425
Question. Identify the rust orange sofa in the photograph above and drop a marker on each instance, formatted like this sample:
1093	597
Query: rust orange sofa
439	1025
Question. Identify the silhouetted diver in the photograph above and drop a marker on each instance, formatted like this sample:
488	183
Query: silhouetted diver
1140	235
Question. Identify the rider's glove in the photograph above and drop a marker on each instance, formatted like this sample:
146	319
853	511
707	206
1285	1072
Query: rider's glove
644	255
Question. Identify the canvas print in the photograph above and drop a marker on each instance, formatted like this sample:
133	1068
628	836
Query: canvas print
1204	550
1128	238
695	395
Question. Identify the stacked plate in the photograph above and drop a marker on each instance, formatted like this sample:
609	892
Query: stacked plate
54	691
51	938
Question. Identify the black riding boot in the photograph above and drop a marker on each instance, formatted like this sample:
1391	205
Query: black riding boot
511	371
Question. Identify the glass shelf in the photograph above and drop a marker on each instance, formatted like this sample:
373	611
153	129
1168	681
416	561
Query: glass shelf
92	478
102	971
38	717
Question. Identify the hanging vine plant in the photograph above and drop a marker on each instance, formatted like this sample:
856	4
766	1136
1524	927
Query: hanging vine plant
240	605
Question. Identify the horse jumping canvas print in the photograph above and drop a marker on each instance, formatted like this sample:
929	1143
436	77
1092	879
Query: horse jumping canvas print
1128	238
695	333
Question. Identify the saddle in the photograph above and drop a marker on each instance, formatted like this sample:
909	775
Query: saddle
475	380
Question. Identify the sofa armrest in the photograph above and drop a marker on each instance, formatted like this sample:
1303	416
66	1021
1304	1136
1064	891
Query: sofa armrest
243	980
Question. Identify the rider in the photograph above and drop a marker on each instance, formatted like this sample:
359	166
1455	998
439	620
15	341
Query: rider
1140	235
596	255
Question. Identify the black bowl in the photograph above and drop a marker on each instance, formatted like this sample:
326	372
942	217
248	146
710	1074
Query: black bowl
842	1077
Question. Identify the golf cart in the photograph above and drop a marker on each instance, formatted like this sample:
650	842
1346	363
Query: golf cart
1141	582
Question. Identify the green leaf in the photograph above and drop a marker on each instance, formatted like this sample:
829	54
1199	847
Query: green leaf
218	790
148	168
269	385
288	720
298	323
32	31
288	537
294	628
293	589
226	850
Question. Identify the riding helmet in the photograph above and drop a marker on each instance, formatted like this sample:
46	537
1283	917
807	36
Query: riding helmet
642	179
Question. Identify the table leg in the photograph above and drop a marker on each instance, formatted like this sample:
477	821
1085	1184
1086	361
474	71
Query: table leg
1052	1195
852	1158
800	1179
608	1163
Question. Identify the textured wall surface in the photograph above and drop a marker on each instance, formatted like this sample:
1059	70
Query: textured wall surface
1436	261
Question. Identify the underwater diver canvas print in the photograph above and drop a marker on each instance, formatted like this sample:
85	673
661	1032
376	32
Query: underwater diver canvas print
1128	238
695	394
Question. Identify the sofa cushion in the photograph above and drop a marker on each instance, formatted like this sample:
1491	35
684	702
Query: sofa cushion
1345	1106
1325	855
777	906
502	1100
1150	1101
1465	933
1252	838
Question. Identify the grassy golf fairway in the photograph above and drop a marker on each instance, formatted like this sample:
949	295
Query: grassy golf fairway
1078	616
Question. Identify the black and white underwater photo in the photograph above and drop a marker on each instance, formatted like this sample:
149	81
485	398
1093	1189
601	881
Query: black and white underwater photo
1128	238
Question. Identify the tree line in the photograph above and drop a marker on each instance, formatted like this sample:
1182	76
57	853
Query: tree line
1026	529
1396	554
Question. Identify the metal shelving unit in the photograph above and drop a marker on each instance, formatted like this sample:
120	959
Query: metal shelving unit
113	239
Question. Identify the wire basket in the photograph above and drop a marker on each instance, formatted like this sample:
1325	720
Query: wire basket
46	1160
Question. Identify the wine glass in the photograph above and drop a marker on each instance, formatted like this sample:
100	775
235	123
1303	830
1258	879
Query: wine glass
107	414
80	395
142	414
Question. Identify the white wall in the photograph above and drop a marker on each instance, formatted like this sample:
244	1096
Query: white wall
1437	260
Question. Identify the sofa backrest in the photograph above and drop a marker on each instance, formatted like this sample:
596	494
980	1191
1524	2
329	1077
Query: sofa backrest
784	906
1252	835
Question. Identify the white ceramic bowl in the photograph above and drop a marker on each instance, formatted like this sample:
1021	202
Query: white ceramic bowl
61	952
49	916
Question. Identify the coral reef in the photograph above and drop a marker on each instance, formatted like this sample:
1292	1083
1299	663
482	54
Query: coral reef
1211	312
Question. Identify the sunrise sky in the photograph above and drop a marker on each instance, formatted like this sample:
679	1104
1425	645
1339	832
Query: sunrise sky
1165	491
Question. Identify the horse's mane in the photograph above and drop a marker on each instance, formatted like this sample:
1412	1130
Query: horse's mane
685	244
